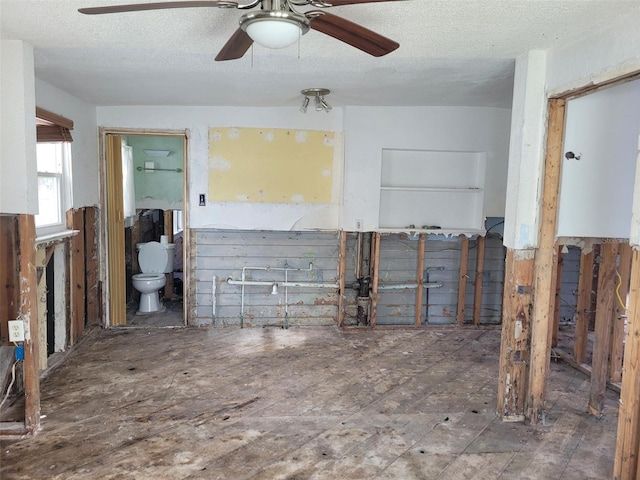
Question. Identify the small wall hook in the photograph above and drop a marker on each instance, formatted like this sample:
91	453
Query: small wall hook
570	155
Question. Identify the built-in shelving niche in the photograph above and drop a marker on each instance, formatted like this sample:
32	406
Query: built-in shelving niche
432	190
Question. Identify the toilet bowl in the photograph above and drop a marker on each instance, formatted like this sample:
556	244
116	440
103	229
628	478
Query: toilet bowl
155	259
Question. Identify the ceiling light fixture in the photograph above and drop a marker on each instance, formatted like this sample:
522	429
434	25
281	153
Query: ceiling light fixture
319	102
274	28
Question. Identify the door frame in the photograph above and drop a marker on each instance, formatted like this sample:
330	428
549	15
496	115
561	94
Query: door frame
104	242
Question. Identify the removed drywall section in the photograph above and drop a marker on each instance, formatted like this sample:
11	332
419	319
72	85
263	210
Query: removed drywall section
223	254
271	165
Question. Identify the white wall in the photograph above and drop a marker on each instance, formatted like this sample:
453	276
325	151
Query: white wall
526	151
84	148
198	120
605	54
18	174
596	192
370	129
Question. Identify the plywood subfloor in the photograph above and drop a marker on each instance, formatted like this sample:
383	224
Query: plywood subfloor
305	403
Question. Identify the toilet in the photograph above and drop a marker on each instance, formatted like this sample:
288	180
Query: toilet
155	259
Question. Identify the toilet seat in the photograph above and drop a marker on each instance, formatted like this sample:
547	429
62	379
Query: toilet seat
148	276
152	258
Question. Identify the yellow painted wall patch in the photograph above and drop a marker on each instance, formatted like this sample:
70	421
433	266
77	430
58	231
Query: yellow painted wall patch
270	165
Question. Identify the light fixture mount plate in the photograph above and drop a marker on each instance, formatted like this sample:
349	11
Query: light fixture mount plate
315	92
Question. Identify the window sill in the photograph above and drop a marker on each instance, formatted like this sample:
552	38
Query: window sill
51	238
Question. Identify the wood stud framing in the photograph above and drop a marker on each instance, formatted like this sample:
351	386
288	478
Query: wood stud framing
375	262
29	313
477	293
601	344
516	335
583	307
619	312
420	278
462	287
544	268
342	266
75	221
628	436
556	302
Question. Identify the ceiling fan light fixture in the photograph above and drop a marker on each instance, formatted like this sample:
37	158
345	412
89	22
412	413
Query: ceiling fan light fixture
274	29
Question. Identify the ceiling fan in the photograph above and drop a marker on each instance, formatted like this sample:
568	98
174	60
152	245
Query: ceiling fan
277	24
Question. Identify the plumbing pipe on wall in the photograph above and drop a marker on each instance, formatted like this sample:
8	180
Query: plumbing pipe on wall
275	284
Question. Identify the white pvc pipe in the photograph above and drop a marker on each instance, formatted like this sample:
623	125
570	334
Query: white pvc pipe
281	284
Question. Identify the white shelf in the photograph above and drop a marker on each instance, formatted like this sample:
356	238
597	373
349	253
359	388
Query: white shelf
432	188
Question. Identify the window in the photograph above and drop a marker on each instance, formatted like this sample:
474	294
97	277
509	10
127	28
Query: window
54	193
53	153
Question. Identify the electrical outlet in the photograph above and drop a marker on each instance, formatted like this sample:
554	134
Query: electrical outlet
359	223
16	331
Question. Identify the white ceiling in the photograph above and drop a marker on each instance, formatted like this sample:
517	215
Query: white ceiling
452	52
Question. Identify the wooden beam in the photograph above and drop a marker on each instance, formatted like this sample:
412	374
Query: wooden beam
583	307
75	221
462	279
342	267
557	288
29	313
420	278
619	313
515	343
478	284
545	258
9	290
628	436
92	267
374	267
601	343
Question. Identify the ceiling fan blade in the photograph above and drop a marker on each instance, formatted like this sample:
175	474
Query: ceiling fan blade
338	3
355	35
135	7
235	47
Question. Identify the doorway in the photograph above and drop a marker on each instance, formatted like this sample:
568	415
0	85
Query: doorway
143	196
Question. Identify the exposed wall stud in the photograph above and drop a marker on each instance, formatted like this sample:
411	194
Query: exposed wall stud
619	312
628	436
462	286
544	267
583	307
477	294
420	278
515	343
604	310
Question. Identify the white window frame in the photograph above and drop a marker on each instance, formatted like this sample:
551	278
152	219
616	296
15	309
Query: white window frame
65	202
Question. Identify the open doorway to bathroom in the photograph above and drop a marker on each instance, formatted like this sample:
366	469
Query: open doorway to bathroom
145	184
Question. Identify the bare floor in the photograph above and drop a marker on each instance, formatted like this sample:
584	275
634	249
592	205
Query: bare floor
171	316
303	403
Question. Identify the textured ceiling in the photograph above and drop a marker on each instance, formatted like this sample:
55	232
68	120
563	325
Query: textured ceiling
452	52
